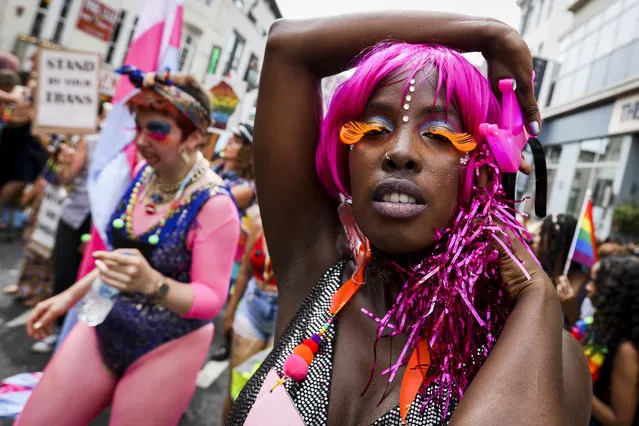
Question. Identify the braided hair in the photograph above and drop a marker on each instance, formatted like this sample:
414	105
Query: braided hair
555	238
617	302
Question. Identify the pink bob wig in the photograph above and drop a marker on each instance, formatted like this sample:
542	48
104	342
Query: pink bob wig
466	90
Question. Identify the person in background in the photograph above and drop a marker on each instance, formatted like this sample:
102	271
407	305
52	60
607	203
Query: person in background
567	295
252	309
173	235
75	221
22	156
235	166
611	341
552	248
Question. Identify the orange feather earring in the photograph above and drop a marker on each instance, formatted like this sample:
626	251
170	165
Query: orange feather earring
464	142
353	131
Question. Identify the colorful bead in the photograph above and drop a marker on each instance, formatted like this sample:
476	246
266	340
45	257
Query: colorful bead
154	239
305	352
85	238
295	367
317	339
314	347
118	223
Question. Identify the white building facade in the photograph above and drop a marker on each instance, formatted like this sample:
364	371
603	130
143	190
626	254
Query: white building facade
220	37
589	98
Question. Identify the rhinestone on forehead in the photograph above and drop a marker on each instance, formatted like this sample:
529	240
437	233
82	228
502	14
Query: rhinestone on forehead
409	98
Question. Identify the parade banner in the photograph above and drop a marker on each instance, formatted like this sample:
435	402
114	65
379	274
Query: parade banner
98	19
42	239
224	101
67	93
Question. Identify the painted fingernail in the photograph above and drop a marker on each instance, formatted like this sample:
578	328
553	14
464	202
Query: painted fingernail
533	128
37	325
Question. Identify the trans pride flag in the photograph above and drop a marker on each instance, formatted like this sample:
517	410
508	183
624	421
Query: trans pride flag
155	46
584	243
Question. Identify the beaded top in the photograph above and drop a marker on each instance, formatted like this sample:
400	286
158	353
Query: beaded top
311	395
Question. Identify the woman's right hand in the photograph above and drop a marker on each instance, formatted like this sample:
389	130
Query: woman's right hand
565	292
41	319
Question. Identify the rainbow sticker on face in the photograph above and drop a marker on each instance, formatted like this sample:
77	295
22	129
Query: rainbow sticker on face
158	130
353	131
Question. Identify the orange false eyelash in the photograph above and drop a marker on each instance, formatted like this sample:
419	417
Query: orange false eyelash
353	131
464	142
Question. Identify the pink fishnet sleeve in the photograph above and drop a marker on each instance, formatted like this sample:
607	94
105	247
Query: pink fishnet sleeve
213	243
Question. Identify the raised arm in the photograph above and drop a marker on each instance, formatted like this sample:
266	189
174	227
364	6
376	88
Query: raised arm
300	219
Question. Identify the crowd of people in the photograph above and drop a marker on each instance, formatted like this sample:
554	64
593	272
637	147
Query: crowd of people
397	285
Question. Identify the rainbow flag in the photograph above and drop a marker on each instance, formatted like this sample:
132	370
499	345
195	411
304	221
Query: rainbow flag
584	244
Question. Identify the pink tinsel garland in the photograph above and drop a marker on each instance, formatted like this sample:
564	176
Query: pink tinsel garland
455	297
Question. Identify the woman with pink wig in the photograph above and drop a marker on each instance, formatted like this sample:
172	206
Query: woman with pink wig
406	291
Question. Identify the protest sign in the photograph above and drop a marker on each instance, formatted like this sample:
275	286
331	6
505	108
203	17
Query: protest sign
42	239
67	93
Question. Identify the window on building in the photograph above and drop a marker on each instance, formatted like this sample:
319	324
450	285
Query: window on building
541	11
214	60
553	153
549	10
237	48
252	74
38	22
117	30
62	20
606	40
189	47
627	30
132	33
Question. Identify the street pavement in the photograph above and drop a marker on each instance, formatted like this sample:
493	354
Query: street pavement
16	355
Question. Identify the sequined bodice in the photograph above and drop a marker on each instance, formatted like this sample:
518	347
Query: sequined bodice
136	324
311	396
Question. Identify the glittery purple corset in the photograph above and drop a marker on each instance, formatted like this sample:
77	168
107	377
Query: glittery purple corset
137	325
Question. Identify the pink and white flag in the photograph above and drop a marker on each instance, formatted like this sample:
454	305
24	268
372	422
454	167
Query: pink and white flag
155	47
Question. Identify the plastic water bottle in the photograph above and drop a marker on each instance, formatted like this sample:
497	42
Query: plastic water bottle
97	303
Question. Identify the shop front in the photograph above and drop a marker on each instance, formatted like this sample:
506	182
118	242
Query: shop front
594	149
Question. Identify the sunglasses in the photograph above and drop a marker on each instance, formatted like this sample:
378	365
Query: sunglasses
157	130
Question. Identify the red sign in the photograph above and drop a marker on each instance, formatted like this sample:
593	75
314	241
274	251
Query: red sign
98	19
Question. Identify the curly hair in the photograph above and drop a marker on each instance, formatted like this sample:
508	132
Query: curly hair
244	162
555	238
617	302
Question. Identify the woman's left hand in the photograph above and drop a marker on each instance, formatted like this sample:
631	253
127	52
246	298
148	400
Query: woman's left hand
512	270
127	270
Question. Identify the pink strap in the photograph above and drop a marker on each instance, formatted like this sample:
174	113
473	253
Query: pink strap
273	406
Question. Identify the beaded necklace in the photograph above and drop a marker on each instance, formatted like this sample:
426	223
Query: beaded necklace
125	220
163	189
6	115
595	354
